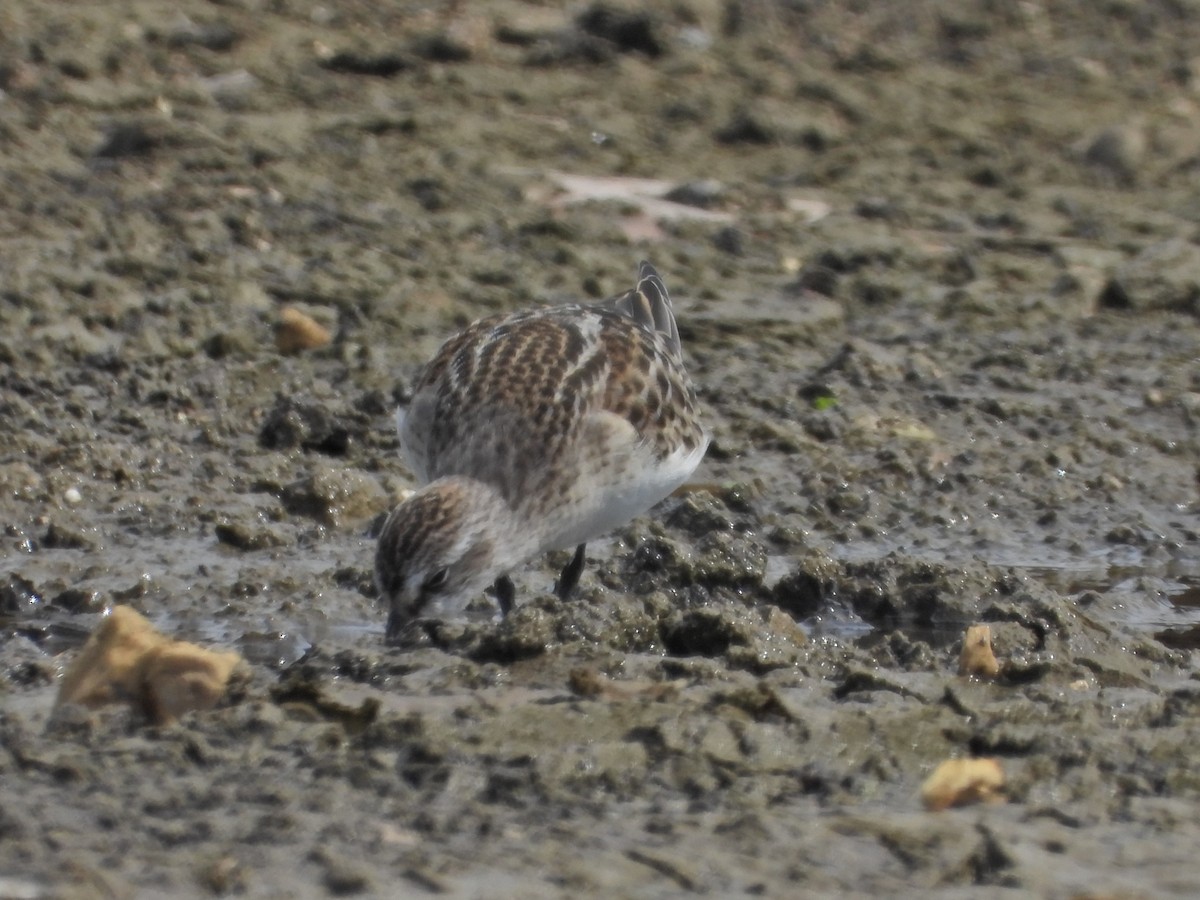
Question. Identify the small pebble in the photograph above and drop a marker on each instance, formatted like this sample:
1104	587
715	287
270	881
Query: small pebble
297	331
977	657
72	496
962	782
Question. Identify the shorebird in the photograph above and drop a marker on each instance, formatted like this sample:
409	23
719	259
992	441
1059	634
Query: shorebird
536	431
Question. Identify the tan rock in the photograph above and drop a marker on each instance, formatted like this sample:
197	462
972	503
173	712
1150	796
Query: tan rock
127	660
961	782
178	677
296	331
977	657
107	669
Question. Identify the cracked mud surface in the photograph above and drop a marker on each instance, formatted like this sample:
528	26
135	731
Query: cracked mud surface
938	282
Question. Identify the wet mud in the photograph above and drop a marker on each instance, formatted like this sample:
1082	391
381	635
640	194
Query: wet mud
937	271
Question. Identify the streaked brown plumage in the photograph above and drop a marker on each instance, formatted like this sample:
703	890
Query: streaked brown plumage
536	431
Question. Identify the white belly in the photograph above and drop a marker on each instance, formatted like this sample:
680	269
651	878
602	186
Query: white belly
601	502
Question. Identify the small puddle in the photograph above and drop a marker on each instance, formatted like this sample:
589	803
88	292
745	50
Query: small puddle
1161	597
273	607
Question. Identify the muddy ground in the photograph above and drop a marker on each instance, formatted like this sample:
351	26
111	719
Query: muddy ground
938	278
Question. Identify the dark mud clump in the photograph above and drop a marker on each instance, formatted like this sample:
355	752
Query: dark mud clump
936	274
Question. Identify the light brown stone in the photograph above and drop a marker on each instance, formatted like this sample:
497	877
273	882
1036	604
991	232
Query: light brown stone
296	331
977	657
961	782
127	660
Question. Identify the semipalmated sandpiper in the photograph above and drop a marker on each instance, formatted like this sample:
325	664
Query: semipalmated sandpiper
532	432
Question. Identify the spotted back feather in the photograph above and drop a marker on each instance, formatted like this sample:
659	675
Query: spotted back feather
649	304
499	400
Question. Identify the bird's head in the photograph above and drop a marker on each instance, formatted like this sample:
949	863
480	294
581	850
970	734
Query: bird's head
439	549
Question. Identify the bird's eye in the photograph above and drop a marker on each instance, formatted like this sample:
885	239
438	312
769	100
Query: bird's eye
436	580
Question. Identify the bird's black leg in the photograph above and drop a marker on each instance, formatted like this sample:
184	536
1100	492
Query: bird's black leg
506	593
570	574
